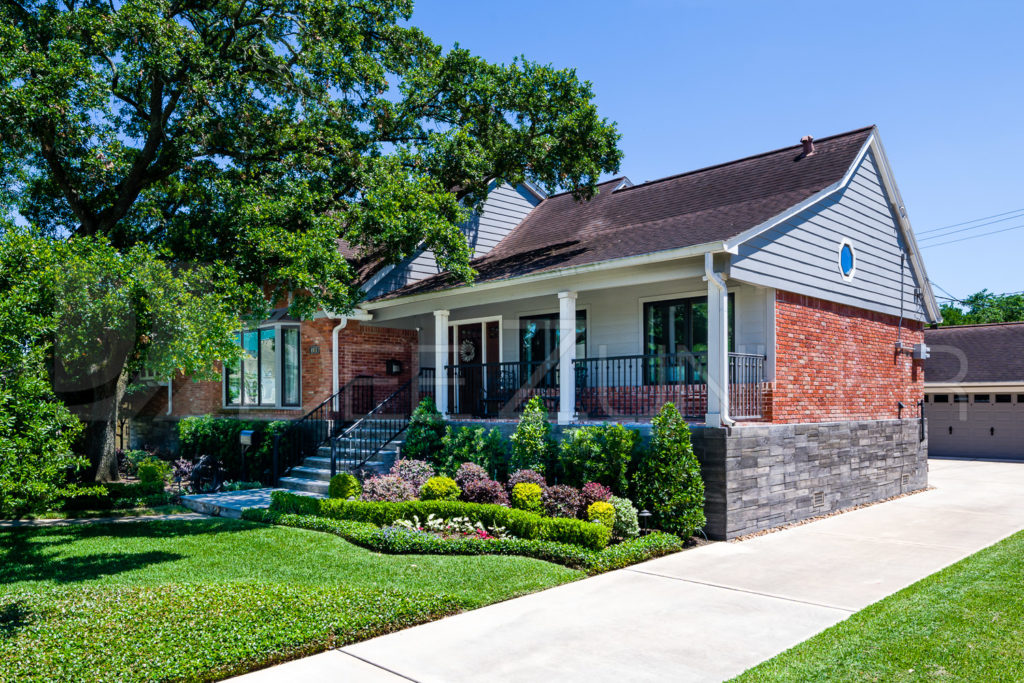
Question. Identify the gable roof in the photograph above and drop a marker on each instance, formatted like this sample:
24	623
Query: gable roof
712	204
975	353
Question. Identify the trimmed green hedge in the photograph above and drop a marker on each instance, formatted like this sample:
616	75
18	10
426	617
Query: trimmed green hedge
400	541
519	523
118	495
218	436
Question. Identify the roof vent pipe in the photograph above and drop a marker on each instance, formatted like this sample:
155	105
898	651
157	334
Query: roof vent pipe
808	142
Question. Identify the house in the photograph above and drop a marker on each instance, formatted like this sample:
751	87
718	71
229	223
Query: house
974	390
779	300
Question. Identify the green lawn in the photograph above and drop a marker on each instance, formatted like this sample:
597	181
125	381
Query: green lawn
964	623
205	599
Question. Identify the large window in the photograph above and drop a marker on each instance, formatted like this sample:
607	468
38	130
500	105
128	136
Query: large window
539	339
681	325
268	373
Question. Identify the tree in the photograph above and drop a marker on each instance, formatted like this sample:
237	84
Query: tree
984	307
228	147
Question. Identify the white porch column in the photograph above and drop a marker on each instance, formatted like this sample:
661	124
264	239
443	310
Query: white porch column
566	356
718	347
440	360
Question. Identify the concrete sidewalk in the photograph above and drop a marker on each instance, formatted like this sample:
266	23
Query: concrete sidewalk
702	615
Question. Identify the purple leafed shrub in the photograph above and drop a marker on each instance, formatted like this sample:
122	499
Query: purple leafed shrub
592	493
388	489
182	469
416	472
561	501
485	491
469	472
527	477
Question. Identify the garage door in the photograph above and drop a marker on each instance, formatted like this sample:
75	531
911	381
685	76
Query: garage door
976	425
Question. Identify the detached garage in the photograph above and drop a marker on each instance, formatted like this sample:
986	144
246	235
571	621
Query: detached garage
974	391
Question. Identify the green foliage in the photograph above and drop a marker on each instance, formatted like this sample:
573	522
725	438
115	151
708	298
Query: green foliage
424	436
602	513
533	448
478	446
984	307
345	486
627	522
518	523
117	495
526	496
599	453
668	480
153	471
440	488
241	485
218	436
374	538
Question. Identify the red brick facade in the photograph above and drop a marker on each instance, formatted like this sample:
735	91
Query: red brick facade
362	350
836	362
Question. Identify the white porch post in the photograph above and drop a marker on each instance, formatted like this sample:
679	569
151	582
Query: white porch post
718	347
440	359
566	356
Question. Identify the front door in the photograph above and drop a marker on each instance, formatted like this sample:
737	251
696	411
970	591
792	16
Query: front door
469	353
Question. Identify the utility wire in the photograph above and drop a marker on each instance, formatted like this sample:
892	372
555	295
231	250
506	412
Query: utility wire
973	227
957	225
973	237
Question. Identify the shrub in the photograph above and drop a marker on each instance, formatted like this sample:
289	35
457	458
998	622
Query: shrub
241	486
602	513
344	485
532	445
526	496
425	434
294	504
218	437
440	488
593	492
578	450
130	461
627	524
116	495
416	472
561	501
517	523
468	473
601	454
153	470
527	477
477	446
668	480
388	488
485	491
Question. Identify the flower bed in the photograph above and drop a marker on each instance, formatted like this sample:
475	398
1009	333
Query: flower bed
392	539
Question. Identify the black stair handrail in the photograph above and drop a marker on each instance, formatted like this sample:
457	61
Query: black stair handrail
306	434
368	435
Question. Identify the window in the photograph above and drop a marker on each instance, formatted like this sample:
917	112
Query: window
268	373
847	260
981	398
960	398
679	326
539	339
941	398
1003	398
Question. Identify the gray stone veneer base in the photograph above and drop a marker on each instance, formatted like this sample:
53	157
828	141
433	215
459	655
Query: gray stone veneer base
762	476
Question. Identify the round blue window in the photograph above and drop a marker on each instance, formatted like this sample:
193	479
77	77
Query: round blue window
846	259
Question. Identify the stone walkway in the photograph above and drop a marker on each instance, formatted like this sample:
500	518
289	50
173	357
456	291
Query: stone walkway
707	614
231	503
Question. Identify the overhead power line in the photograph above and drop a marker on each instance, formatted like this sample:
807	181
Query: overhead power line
973	237
973	227
957	225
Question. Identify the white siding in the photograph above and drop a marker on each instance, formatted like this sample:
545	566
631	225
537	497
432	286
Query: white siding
505	208
801	255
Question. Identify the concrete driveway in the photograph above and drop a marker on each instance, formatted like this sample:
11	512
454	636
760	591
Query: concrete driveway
702	615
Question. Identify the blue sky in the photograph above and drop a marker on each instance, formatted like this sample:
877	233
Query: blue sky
701	82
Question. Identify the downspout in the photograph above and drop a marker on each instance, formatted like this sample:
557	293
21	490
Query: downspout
723	332
335	380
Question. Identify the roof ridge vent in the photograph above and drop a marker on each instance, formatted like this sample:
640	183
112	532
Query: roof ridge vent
808	142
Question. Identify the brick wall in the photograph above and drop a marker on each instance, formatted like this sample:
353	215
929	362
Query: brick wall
363	350
837	362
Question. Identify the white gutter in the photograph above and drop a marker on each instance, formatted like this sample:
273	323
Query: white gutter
355	315
610	264
723	337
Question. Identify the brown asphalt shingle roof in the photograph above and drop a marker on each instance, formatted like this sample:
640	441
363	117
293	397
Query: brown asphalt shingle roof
707	205
989	353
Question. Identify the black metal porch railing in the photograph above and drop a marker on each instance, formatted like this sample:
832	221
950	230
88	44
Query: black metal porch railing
306	434
746	385
364	438
501	389
638	386
427	386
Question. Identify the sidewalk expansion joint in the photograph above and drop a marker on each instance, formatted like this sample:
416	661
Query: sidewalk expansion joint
375	664
744	590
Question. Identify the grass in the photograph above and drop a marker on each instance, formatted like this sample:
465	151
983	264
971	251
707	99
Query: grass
964	623
169	509
202	600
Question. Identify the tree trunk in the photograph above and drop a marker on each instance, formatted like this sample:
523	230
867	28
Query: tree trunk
97	408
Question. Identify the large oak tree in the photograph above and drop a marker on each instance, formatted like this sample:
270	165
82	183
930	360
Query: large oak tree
210	156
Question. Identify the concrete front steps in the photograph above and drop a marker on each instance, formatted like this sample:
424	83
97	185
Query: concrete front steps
314	475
